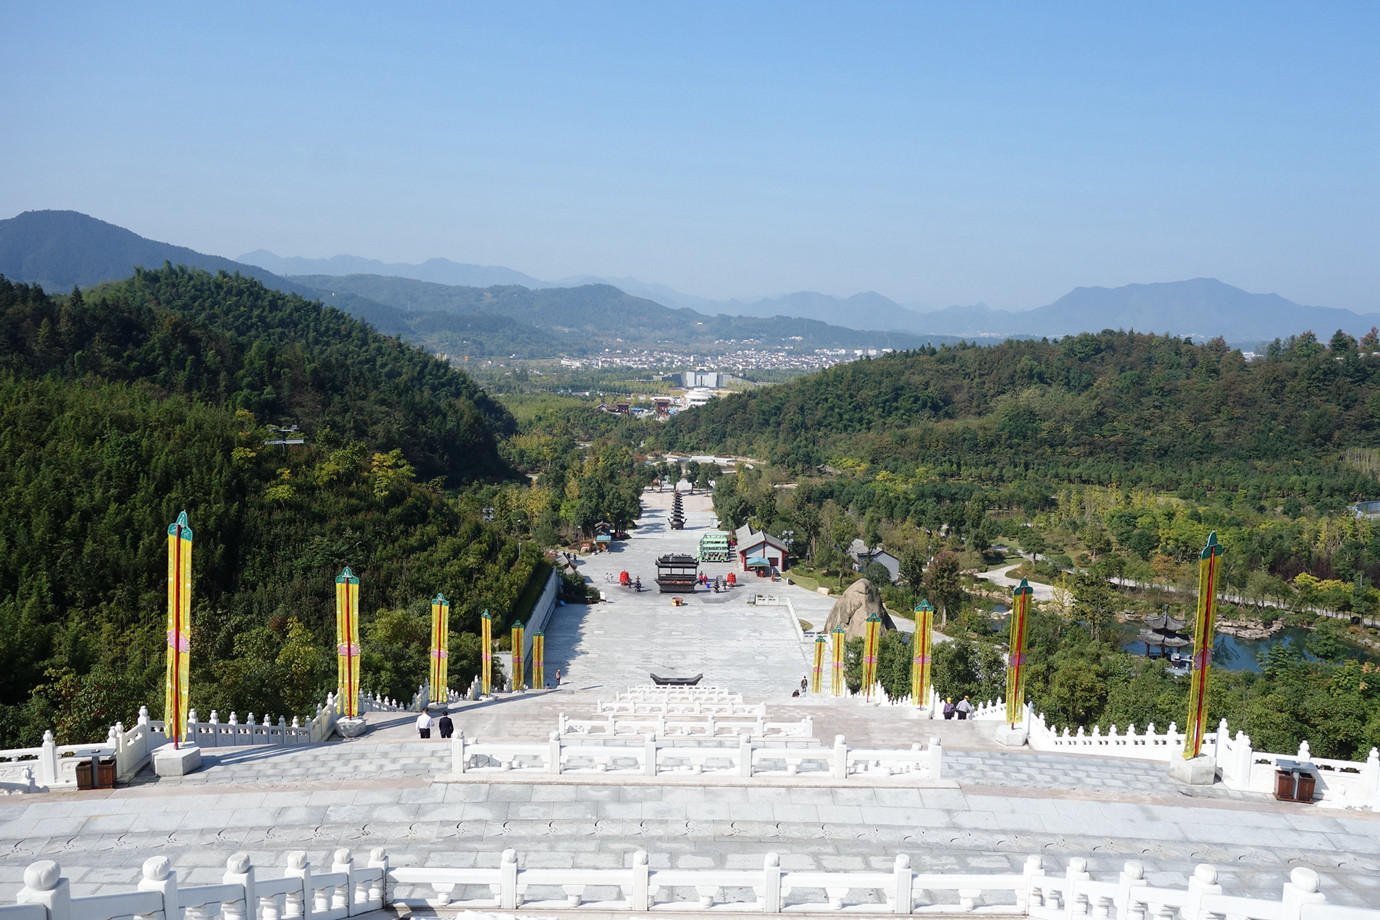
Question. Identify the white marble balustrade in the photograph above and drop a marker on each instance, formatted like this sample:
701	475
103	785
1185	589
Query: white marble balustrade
653	756
680	694
624	707
348	890
1340	783
664	726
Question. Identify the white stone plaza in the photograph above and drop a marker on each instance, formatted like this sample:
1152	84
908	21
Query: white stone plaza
990	811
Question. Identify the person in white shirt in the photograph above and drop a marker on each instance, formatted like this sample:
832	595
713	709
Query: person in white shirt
424	724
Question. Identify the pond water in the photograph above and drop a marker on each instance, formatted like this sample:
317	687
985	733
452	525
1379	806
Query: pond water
1231	653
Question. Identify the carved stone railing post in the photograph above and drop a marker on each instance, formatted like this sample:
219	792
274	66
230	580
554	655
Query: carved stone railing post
640	892
840	759
936	758
1202	883
902	886
344	896
44	885
48	761
1301	889
1029	895
378	888
771	884
239	871
649	755
507	880
158	875
1132	876
1078	905
299	900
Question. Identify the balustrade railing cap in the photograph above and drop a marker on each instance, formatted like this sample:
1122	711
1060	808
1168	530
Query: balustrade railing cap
157	868
1304	878
43	875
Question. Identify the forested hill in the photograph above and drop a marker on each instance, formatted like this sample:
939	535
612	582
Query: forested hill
59	250
582	319
285	359
1089	407
122	406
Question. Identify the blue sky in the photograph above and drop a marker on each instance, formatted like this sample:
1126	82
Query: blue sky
937	153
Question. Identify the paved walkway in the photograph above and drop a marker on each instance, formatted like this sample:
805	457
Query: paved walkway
611	646
992	808
1000	577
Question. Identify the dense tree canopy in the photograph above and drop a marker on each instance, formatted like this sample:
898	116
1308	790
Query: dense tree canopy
123	406
1107	408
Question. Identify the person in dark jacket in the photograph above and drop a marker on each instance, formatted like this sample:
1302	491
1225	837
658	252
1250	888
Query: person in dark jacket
446	726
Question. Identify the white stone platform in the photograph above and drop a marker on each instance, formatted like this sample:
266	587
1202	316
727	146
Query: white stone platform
381	789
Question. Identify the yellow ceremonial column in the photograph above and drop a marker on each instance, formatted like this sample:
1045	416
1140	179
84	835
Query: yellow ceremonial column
871	640
347	643
1015	662
538	660
920	663
486	656
179	628
817	673
440	649
1204	632
519	671
836	685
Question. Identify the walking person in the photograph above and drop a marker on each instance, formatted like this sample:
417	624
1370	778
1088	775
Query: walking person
446	726
558	678
949	708
424	724
964	708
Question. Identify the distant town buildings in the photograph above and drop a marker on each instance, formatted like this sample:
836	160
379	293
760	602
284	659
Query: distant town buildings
700	378
741	360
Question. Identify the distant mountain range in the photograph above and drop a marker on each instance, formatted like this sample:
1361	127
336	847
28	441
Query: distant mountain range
438	271
1201	308
60	249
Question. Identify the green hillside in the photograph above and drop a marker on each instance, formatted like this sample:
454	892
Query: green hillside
592	317
143	398
60	250
1112	457
1114	407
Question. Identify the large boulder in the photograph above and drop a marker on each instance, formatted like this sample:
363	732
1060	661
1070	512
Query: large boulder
860	601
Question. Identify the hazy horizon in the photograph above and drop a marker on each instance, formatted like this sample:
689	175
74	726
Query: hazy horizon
932	154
